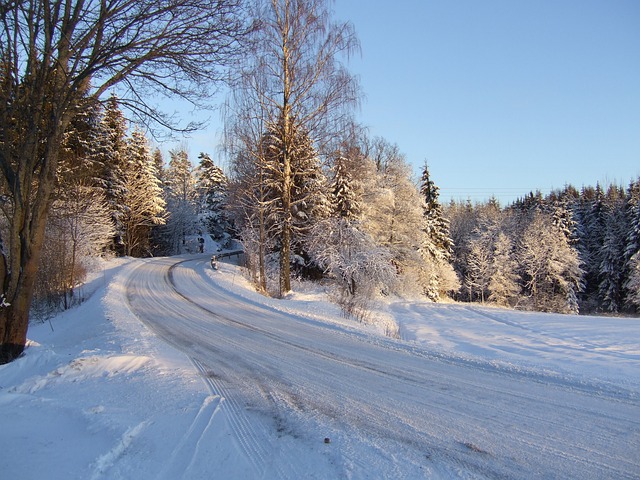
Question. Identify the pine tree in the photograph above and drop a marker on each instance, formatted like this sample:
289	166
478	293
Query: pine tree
181	199
611	268
212	185
111	154
632	247
437	246
143	198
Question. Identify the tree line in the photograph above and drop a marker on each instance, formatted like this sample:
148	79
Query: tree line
572	250
358	219
115	196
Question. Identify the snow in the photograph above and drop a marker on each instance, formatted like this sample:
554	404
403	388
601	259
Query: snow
99	394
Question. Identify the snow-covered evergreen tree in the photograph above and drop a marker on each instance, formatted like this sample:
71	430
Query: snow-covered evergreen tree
310	193
504	285
302	182
344	195
550	266
212	185
633	282
436	225
143	197
437	245
181	197
78	158
110	152
589	214
612	252
632	246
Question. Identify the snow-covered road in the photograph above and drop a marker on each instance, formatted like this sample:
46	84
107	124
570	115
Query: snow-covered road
391	409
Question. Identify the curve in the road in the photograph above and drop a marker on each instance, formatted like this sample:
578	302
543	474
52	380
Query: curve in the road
396	409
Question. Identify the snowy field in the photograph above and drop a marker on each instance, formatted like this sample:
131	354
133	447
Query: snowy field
100	395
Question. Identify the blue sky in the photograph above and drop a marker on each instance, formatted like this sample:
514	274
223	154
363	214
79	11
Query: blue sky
501	96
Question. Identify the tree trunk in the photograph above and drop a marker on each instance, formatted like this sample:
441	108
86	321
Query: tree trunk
31	195
14	322
18	287
285	251
262	276
285	237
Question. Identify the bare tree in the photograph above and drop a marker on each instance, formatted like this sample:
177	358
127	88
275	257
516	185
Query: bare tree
57	56
294	80
79	225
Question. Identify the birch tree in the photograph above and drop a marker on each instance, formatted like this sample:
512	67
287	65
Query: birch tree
296	81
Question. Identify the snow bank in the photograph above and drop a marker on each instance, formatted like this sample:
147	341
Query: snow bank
100	397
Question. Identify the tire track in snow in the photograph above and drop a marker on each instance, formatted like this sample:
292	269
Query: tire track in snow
459	453
460	392
251	440
186	452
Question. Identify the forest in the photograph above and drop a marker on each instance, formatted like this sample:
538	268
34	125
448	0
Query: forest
361	223
305	189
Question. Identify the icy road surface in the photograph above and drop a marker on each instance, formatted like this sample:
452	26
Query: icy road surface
390	409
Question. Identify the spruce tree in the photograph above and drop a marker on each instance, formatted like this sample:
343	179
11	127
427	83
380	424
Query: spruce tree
437	245
612	251
344	197
181	199
632	247
296	193
504	285
111	154
550	266
143	197
436	226
632	284
212	187
590	232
